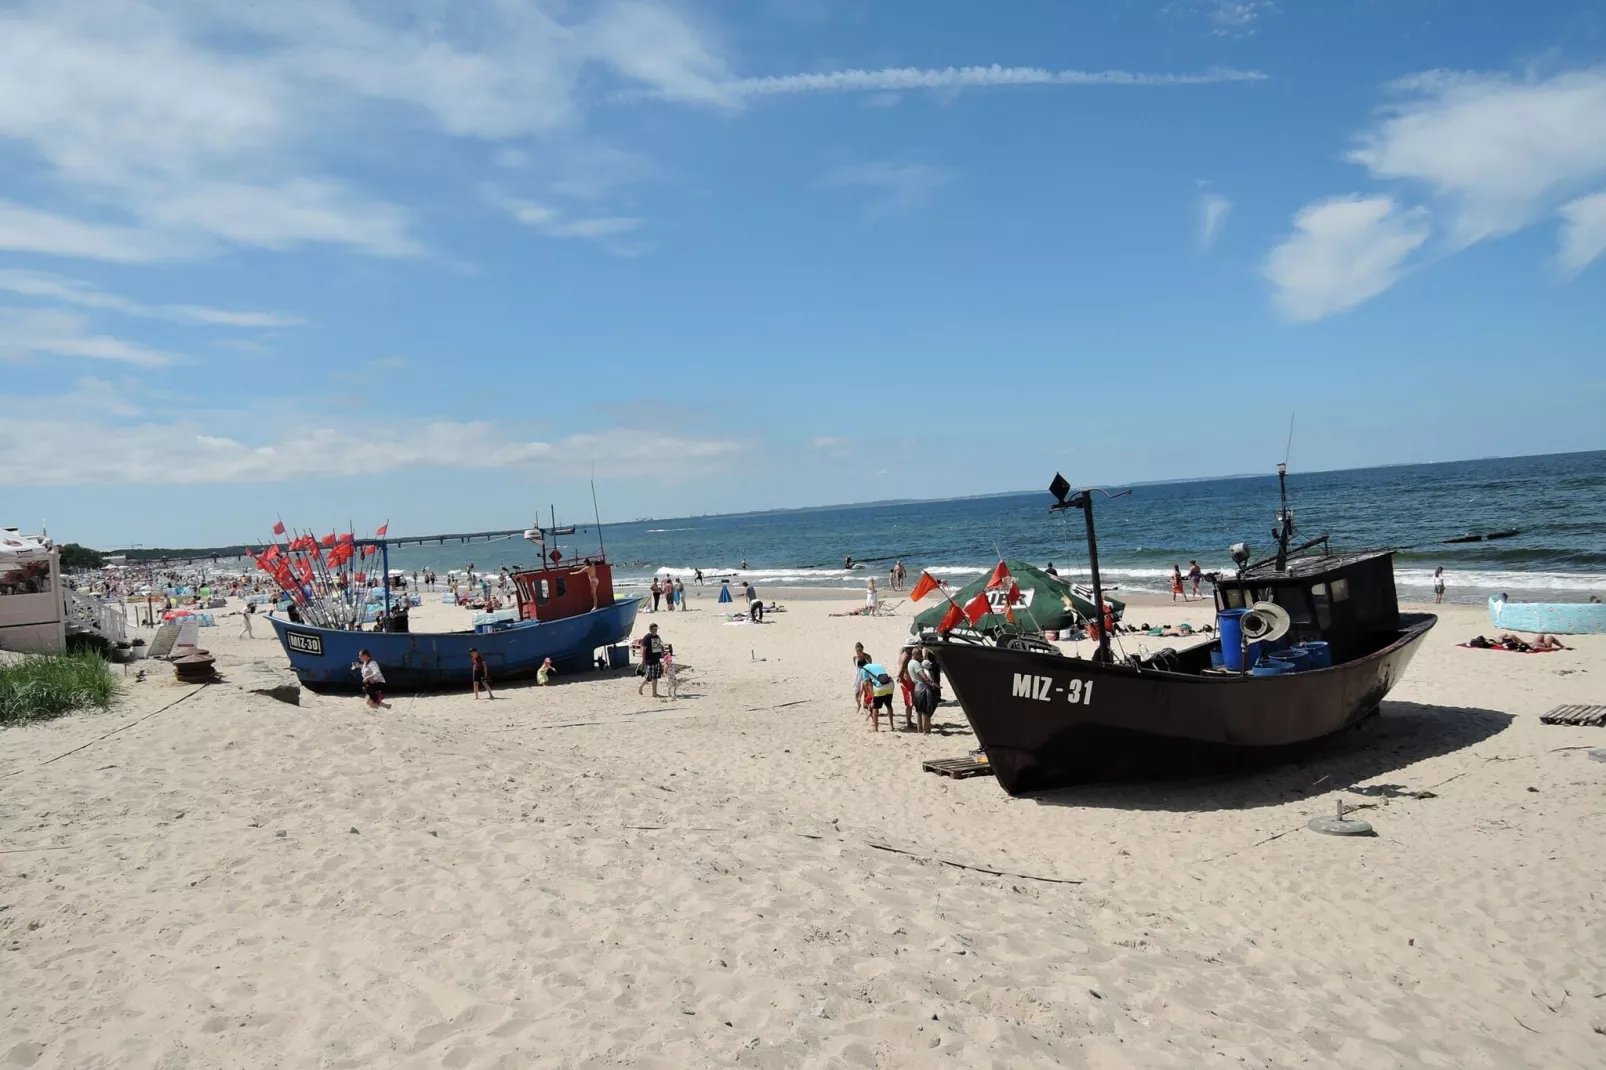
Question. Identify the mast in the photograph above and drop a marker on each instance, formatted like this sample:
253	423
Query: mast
1084	501
1285	521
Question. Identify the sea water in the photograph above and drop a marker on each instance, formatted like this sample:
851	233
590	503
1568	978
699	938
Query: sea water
1557	502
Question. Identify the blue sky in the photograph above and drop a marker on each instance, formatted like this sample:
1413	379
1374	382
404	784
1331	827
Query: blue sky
434	262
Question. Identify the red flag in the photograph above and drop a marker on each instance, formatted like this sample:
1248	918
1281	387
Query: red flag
1014	594
977	608
369	551
347	537
273	551
360	578
924	586
278	528
1009	612
951	619
329	540
382	529
1000	574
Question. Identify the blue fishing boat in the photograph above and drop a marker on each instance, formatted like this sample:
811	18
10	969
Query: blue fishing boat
1557	618
566	611
322	658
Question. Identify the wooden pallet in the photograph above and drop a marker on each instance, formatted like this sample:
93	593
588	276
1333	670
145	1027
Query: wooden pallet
958	768
1586	716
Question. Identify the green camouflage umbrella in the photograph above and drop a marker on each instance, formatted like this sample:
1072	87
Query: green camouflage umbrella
1047	603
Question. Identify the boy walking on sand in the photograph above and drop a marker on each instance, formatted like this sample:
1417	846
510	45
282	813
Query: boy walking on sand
482	674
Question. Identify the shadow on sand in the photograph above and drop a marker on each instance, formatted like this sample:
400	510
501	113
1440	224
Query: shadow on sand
1405	733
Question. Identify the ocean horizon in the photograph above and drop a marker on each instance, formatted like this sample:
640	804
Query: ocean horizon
1556	503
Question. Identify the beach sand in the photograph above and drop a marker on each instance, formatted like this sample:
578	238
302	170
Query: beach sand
745	876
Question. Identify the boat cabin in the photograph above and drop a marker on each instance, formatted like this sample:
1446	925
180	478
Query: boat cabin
1345	600
565	590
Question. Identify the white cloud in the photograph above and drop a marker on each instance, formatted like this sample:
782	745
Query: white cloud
82	294
77	451
896	187
1227	18
1213	209
554	224
200	126
1503	152
1583	232
1343	251
28	333
900	79
30	230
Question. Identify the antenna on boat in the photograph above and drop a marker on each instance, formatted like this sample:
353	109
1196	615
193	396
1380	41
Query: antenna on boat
595	511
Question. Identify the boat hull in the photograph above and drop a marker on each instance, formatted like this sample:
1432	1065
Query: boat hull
1048	721
322	658
1557	618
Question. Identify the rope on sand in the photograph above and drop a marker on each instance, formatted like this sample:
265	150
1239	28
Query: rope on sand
110	734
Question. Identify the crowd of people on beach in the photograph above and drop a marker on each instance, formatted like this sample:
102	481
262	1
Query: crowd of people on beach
917	679
670	592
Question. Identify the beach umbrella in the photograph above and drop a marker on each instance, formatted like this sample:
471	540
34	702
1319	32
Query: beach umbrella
1045	603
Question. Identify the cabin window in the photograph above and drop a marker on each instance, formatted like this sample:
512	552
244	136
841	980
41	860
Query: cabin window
1235	597
541	596
1340	589
561	587
1291	599
1324	612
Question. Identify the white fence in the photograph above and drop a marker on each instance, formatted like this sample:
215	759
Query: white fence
106	619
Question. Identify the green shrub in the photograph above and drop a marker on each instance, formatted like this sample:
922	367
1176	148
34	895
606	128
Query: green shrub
49	685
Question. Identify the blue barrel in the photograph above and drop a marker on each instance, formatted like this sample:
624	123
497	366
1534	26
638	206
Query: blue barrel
618	657
1320	655
1215	657
1272	667
1297	657
1230	625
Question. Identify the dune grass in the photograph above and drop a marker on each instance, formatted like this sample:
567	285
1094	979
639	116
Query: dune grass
49	685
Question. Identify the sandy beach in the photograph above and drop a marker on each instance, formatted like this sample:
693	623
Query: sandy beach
747	876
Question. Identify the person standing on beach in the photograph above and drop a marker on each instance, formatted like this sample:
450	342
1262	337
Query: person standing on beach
1176	583
652	660
1438	584
872	601
906	683
373	681
1049	571
245	619
482	675
1195	575
680	594
699	576
669	594
928	689
657	593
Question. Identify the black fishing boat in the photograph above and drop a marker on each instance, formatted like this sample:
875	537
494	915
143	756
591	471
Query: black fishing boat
1310	643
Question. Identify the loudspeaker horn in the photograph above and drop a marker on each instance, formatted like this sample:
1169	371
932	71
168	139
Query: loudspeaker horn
1266	622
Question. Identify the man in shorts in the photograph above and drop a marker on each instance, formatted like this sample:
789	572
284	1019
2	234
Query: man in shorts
906	684
652	660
